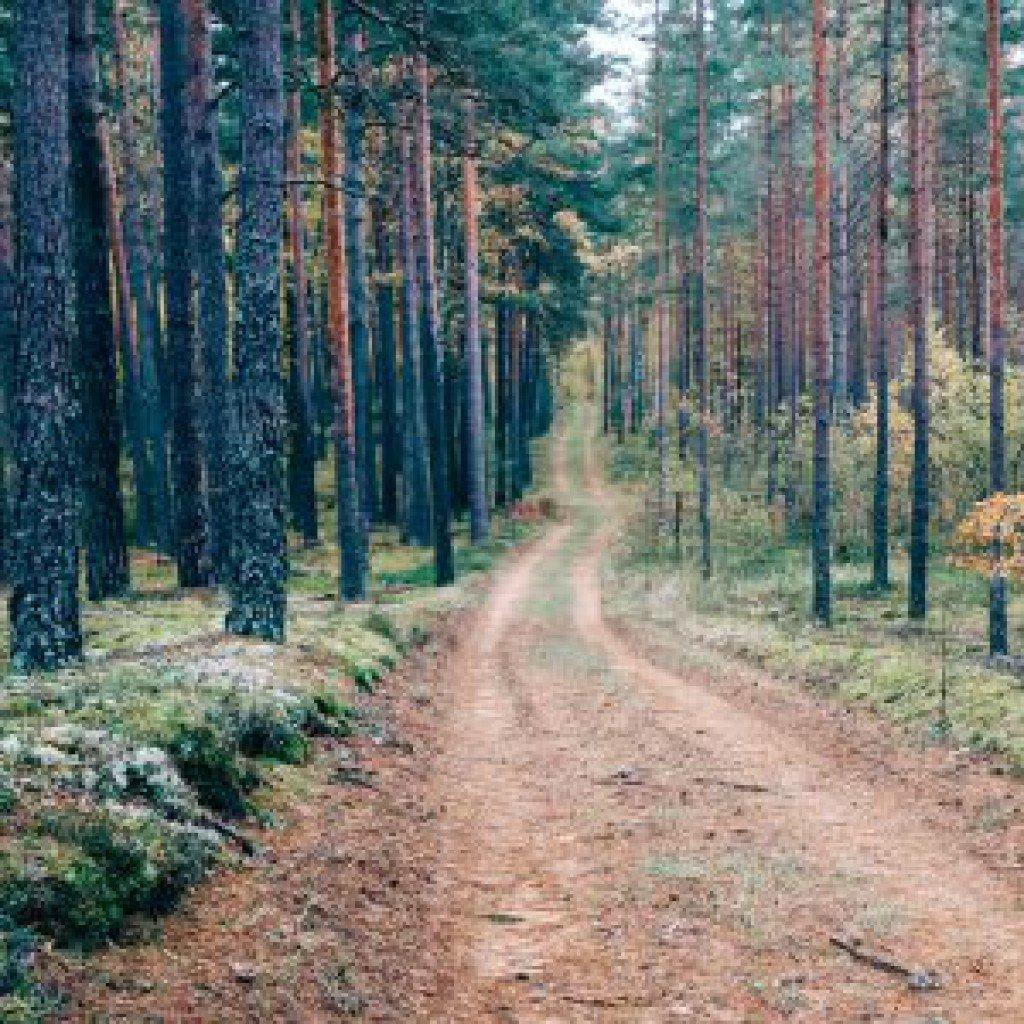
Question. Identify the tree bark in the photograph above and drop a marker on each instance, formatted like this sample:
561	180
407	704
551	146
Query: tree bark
416	475
154	491
359	308
190	510
387	365
821	527
208	261
476	475
44	609
918	580
841	387
880	512
701	310
997	624
351	535
259	551
303	451
95	359
433	369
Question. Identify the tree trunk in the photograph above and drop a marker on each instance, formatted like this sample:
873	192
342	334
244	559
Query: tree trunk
821	526
155	491
186	470
350	528
515	349
416	476
387	366
842	205
502	321
433	369
977	301
880	517
44	610
476	468
918	581
701	311
208	263
359	307
997	625
96	359
126	337
303	453
259	551
660	278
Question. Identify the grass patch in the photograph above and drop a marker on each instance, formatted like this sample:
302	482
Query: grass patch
756	607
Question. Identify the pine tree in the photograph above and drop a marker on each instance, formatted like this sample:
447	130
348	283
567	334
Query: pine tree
350	526
700	260
918	584
259	565
95	352
477	468
302	451
820	531
430	341
880	514
190	511
416	471
208	262
43	556
997	630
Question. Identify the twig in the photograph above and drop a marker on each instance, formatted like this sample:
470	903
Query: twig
917	979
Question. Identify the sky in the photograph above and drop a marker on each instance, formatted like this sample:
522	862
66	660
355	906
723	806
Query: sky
627	42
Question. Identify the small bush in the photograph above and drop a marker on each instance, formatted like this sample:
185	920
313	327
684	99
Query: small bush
382	624
326	714
268	731
21	1001
102	872
210	764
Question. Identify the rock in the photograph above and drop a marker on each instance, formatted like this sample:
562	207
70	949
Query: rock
244	973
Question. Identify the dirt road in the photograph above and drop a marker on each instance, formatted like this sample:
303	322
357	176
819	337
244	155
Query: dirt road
620	841
562	819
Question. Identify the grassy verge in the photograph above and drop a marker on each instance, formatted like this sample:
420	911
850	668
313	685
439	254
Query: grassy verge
126	779
931	678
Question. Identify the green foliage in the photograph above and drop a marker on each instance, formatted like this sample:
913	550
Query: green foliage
268	731
210	764
91	874
22	1000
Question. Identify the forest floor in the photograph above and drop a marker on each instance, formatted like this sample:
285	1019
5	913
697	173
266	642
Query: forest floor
563	816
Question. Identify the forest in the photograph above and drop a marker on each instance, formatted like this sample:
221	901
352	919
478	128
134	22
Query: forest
511	511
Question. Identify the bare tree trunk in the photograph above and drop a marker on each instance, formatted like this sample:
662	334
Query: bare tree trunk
259	550
880	512
208	261
153	491
479	527
190	509
842	206
417	459
350	529
433	382
303	455
44	609
918	582
700	272
95	352
997	625
821	526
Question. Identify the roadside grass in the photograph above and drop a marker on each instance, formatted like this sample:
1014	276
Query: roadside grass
127	778
932	678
